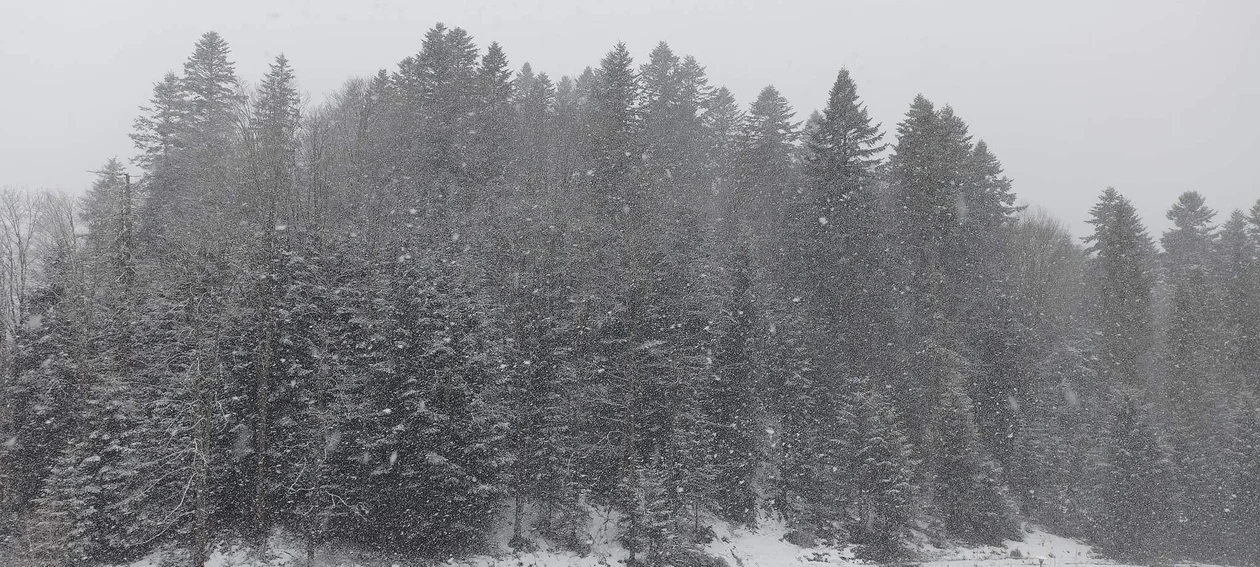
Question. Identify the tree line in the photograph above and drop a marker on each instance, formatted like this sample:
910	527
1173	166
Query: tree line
459	294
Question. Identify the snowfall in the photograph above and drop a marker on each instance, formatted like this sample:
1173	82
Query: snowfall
762	546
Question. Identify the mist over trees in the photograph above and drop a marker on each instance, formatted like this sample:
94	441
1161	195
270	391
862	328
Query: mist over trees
462	293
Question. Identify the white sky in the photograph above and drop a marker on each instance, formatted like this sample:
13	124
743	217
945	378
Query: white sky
1153	97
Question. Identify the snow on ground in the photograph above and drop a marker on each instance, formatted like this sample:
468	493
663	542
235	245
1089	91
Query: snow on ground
763	546
1038	549
739	547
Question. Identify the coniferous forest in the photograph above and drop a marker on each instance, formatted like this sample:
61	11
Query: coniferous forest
462	294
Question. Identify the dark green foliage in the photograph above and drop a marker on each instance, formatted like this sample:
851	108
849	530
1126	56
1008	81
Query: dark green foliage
453	292
882	481
967	484
1124	262
425	426
1139	483
734	415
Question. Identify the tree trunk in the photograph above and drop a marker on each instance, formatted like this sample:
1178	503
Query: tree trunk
201	473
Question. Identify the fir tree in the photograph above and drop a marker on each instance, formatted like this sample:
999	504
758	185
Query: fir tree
615	120
1123	255
1139	483
734	414
1238	276
494	119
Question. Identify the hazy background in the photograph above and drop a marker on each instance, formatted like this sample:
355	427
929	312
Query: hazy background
1153	97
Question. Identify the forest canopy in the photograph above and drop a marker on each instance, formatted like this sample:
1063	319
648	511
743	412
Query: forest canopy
460	293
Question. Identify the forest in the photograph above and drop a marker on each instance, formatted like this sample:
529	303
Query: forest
462	295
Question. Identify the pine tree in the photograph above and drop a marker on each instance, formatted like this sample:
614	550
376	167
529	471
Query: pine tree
1191	336
840	234
273	143
723	122
734	414
1139	483
1238	275
924	191
75	501
205	179
978	272
429	438
161	136
966	483
272	199
765	174
534	164
882	481
1123	254
436	94
615	120
158	133
675	91
494	118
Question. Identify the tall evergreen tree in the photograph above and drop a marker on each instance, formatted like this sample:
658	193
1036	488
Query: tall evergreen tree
1191	336
1123	254
615	120
1239	280
493	118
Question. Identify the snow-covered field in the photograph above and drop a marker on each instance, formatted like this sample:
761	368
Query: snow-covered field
739	547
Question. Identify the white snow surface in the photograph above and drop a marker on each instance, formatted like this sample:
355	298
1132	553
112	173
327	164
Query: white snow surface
739	547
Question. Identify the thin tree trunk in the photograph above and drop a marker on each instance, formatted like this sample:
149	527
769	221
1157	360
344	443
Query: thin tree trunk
201	476
262	393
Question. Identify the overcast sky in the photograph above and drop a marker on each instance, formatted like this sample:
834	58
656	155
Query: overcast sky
1152	97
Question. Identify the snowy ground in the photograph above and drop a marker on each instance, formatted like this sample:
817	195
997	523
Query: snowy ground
762	547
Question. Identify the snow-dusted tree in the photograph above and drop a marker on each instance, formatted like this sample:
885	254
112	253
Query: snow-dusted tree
1122	265
881	486
1238	273
493	118
428	439
967	484
1193	346
836	237
1138	514
734	414
614	120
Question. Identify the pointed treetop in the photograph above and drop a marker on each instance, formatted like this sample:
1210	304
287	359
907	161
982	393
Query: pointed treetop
920	124
277	104
1117	226
771	115
494	63
210	77
1254	220
157	131
842	143
991	201
1191	237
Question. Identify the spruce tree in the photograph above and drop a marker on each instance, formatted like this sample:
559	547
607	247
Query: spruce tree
1238	275
765	178
1191	335
1139	483
1122	263
882	482
839	235
734	414
615	120
493	119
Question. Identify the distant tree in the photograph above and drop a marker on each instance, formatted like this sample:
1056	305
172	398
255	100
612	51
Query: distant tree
1123	256
1139	482
614	117
1239	280
493	118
